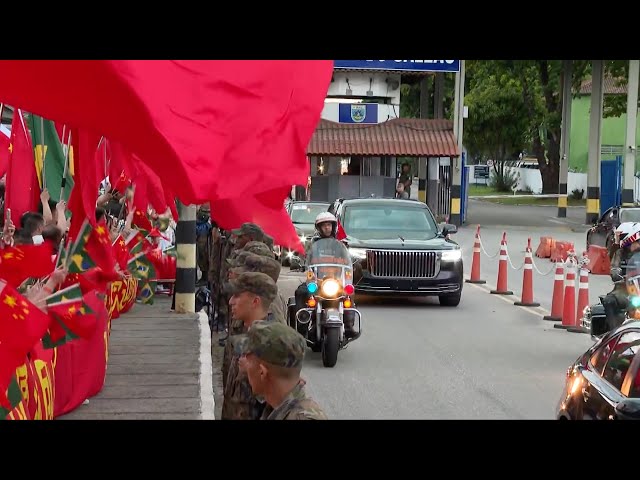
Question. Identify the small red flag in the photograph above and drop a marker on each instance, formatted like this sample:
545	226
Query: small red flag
26	261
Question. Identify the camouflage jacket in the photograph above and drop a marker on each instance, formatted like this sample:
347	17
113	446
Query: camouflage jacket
297	406
278	309
239	402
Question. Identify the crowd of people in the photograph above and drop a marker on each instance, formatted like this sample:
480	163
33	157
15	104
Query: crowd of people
50	224
263	355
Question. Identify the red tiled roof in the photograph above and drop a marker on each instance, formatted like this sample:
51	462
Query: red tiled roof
611	86
407	73
402	137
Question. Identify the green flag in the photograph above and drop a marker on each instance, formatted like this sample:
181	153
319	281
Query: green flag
53	160
14	395
78	259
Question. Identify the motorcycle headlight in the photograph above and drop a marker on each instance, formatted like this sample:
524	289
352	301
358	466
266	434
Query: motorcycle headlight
359	253
330	288
451	255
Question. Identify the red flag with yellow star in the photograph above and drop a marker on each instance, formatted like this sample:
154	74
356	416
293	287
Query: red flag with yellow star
70	317
92	248
121	252
24	261
22	325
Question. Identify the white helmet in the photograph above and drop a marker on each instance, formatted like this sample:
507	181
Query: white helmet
628	233
325	217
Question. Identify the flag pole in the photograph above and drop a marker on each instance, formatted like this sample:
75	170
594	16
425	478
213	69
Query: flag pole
66	169
44	177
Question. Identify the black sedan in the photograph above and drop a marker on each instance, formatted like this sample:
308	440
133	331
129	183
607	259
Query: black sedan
399	249
604	383
601	234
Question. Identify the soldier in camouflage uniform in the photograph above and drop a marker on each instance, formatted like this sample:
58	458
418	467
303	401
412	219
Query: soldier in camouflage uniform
272	356
252	292
246	233
250	262
259	248
203	231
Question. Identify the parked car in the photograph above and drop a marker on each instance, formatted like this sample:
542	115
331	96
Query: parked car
604	383
399	249
303	216
601	234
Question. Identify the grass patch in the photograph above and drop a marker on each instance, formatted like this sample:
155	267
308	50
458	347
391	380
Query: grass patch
478	190
551	202
482	190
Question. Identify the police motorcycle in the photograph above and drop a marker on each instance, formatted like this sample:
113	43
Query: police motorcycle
594	317
329	317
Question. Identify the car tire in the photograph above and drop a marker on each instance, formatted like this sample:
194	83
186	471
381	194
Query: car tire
450	300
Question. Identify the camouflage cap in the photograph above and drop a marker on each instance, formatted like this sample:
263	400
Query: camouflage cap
259	248
257	263
238	258
257	283
268	241
249	229
274	343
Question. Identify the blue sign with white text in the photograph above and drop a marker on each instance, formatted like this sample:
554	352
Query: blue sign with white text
401	65
358	113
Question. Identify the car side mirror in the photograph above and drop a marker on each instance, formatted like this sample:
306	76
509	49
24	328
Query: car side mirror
628	409
448	229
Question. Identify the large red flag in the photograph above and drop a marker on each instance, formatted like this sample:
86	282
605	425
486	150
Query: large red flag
183	118
22	192
5	142
265	209
82	202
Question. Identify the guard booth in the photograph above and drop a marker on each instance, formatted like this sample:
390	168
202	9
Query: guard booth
354	160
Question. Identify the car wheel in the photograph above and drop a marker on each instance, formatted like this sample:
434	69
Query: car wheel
450	300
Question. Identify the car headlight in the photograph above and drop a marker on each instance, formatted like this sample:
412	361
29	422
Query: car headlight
330	288
303	238
359	253
452	255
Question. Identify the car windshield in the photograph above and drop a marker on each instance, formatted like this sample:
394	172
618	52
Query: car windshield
383	222
306	213
629	215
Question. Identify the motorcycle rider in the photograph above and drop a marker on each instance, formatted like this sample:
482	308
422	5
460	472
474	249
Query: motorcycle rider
326	227
616	301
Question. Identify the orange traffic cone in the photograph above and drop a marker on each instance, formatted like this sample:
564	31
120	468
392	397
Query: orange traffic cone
475	264
569	311
558	295
526	299
501	287
583	300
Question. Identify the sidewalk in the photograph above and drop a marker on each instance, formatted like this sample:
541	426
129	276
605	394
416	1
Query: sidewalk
159	368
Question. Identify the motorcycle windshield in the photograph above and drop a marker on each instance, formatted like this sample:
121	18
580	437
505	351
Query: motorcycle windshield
328	257
632	277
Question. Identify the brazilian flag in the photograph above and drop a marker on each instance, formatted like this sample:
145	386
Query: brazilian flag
141	267
50	157
78	259
148	291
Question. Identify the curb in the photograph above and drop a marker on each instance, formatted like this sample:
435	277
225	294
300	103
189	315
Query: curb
207	400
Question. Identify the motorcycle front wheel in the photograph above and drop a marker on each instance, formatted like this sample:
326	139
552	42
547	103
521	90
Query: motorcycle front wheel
330	347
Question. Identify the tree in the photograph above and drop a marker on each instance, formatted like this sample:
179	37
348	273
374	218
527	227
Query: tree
496	127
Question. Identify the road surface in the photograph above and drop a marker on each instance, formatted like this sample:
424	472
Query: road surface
485	359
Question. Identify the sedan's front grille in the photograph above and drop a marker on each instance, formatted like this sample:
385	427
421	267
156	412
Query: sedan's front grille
403	264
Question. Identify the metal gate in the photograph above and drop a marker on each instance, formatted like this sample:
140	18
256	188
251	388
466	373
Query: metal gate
444	191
